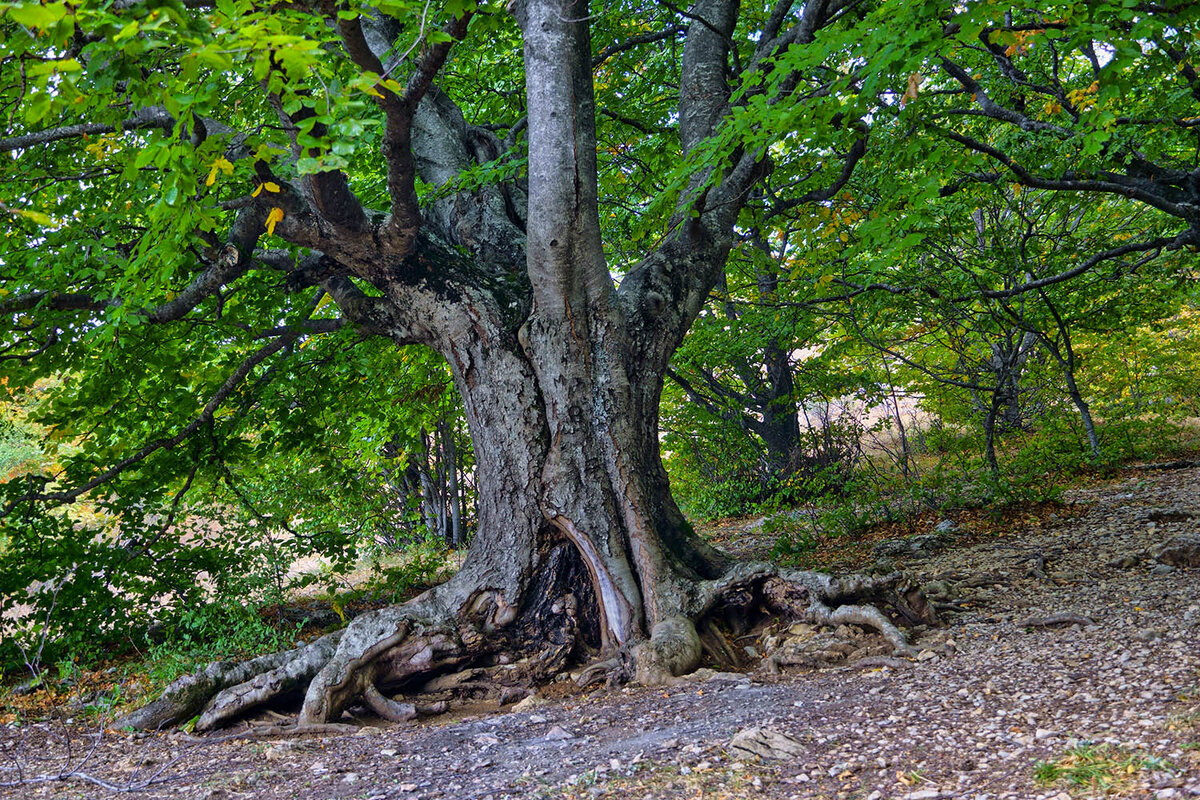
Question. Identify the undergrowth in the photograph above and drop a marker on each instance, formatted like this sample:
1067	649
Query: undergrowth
950	475
1101	767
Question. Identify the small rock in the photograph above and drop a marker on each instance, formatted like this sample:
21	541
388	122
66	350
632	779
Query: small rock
513	694
529	703
946	526
923	794
1147	635
939	590
557	734
1042	734
883	566
921	546
1162	569
925	655
765	743
1181	551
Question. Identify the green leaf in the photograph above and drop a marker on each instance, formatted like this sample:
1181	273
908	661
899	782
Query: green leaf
37	15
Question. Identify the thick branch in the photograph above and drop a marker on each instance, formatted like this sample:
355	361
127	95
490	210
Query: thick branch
565	257
704	87
405	221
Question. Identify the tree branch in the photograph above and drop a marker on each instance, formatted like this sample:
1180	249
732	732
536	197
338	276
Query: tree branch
154	117
1116	185
636	41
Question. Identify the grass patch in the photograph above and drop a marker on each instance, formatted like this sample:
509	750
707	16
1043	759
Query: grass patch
1102	767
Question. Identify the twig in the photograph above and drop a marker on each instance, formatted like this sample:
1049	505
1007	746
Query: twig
1053	620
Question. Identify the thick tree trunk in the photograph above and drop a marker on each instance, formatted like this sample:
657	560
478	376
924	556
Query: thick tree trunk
580	552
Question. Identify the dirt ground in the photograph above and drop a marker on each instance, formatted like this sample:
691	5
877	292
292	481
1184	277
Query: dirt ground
1002	702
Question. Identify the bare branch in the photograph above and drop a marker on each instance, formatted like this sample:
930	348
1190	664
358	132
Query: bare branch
1154	247
857	151
1114	184
154	117
636	41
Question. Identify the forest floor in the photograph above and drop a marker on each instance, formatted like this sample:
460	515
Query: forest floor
1002	702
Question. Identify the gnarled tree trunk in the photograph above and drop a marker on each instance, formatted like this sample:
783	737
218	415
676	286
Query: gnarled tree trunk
580	551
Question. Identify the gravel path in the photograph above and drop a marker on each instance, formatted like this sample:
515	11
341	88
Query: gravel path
995	702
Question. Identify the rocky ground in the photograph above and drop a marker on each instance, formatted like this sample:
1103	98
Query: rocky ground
1069	668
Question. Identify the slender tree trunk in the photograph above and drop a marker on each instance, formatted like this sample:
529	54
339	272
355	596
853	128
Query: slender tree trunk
989	434
1065	355
453	489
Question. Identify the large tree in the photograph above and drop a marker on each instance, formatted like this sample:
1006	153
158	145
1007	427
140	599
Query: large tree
195	179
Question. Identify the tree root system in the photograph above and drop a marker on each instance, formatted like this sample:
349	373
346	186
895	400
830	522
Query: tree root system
405	662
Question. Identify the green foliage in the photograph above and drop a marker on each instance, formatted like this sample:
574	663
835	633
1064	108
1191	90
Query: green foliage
423	564
219	631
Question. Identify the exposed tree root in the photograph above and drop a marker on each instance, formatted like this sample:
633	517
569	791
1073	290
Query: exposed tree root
184	698
486	648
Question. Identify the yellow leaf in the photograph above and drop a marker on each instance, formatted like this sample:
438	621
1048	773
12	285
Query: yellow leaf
324	301
272	187
221	164
275	216
257	191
